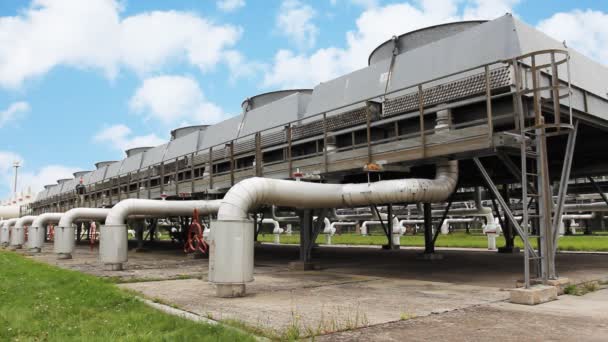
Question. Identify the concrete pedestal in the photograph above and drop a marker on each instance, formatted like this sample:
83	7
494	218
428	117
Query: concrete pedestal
35	250
534	295
559	283
230	290
63	256
303	266
429	256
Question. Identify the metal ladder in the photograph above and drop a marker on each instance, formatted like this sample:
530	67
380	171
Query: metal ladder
537	199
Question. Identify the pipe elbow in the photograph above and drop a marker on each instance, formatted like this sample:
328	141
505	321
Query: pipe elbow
118	214
241	198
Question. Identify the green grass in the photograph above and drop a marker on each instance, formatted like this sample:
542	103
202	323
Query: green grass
39	302
567	243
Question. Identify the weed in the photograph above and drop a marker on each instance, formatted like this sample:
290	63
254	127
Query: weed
572	290
406	316
591	286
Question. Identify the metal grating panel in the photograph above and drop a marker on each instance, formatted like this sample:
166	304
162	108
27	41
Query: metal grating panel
473	85
335	122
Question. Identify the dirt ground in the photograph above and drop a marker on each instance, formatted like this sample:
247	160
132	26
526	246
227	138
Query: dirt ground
371	293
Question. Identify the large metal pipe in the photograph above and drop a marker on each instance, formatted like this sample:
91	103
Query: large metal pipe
597	206
9	211
113	235
5	231
65	231
37	230
18	235
230	271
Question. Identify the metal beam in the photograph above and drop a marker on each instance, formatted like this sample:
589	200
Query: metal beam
504	205
563	185
598	189
445	214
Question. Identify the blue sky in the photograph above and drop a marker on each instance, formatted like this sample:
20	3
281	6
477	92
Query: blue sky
82	80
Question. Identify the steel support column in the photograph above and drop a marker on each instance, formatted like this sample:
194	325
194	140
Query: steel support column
429	246
305	234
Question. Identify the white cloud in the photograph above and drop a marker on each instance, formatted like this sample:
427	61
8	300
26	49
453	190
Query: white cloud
92	35
172	99
152	39
292	69
14	112
34	180
294	21
230	5
121	138
585	31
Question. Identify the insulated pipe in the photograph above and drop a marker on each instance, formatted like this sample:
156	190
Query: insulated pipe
598	206
65	231
18	236
291	219
37	230
342	223
113	235
348	217
230	270
1	228
9	211
236	269
5	231
445	226
398	228
276	229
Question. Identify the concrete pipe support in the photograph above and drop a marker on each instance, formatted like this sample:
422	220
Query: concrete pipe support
65	233
37	230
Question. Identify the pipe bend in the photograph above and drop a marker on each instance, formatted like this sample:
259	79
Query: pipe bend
22	221
45	218
125	208
74	214
253	192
